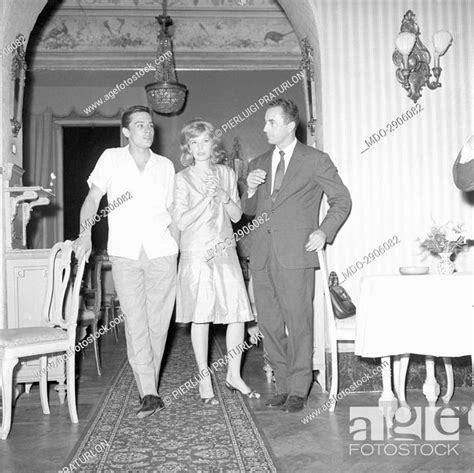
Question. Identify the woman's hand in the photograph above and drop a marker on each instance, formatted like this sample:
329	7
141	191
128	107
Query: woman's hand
222	196
213	189
211	186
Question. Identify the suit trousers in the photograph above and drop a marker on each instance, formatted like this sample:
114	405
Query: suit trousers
146	289
284	298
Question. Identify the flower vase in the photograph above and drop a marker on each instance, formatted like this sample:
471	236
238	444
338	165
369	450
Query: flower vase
445	266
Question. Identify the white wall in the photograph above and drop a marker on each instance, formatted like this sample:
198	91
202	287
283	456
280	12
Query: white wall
405	180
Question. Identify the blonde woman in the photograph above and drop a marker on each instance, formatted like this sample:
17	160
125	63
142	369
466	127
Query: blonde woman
210	290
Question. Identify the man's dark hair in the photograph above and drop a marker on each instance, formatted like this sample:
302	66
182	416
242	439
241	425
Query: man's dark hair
290	110
127	115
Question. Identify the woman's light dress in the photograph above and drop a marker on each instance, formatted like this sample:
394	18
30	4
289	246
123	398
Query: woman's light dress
211	287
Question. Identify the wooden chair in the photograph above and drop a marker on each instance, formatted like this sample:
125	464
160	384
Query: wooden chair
90	310
110	301
58	334
95	300
338	330
267	366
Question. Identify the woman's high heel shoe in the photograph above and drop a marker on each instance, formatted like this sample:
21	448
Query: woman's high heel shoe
250	394
210	401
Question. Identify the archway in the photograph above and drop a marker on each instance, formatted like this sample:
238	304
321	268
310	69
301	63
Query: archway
21	16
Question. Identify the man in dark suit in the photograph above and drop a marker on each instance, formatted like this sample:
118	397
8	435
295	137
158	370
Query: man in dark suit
286	185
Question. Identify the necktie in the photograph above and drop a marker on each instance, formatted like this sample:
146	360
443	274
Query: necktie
280	173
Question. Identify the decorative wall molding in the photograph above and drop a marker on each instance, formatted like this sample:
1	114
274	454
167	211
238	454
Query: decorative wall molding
209	35
98	115
175	5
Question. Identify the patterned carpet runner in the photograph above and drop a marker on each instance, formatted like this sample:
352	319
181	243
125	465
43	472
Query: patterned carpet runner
187	436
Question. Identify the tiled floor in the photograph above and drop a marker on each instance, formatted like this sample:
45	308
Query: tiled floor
39	443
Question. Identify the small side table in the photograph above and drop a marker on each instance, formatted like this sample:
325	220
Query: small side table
427	315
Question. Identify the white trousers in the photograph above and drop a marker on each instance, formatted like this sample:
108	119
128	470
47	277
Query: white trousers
146	289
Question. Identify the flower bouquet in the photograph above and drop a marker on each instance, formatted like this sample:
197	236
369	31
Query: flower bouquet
443	240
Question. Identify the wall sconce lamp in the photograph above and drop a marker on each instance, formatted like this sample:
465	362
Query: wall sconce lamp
412	58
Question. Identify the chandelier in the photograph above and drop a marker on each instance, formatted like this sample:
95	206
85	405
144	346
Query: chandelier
166	95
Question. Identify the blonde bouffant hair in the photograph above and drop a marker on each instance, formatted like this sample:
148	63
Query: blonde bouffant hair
196	128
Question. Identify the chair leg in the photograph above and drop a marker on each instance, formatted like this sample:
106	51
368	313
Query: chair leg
430	386
71	387
267	366
7	391
405	359
43	383
115	329
96	349
61	389
106	316
396	375
268	372
321	377
449	379
334	380
18	389
388	403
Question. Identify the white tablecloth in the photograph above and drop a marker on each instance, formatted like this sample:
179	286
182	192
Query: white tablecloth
429	315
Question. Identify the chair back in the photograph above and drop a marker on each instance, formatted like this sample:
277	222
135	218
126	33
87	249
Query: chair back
331	327
330	319
61	304
101	263
104	267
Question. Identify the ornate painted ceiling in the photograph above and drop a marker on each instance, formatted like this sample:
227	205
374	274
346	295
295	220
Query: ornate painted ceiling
122	34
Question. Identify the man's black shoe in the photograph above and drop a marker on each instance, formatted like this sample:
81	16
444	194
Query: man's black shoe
294	404
161	404
150	404
277	400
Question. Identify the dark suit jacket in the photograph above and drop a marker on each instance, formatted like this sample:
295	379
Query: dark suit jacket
295	213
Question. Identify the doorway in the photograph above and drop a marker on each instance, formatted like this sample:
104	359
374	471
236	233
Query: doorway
82	147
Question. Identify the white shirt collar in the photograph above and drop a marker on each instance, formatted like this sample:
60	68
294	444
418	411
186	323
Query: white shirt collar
288	150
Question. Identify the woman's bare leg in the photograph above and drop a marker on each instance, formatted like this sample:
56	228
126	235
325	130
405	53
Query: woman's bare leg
234	338
200	341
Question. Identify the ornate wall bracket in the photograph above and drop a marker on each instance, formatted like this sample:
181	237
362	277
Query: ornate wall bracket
24	199
18	71
307	66
414	71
